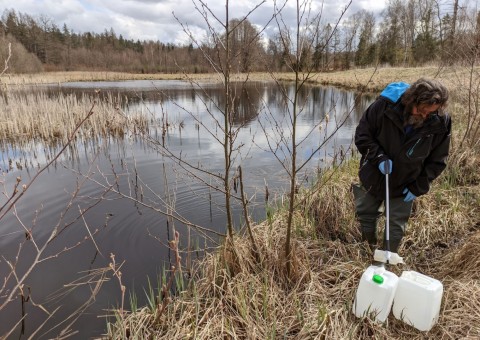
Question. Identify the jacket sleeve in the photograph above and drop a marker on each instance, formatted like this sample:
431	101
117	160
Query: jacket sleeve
435	163
367	129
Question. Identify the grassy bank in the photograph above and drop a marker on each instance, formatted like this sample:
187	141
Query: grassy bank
368	78
250	299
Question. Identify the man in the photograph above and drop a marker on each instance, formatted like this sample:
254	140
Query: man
405	132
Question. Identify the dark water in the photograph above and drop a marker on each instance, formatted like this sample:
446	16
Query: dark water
131	225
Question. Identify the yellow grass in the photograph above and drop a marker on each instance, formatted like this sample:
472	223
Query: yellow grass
250	300
53	119
368	78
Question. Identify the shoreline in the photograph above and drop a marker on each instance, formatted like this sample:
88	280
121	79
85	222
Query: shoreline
368	79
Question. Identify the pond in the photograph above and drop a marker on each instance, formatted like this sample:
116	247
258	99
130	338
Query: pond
111	195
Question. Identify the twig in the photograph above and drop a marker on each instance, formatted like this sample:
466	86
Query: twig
247	217
89	233
8	59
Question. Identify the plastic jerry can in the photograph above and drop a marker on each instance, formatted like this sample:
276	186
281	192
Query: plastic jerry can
375	293
417	300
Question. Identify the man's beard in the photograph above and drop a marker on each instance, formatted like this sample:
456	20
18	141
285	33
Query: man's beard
415	120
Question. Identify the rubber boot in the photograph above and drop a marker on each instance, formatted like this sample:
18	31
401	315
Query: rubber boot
371	238
394	244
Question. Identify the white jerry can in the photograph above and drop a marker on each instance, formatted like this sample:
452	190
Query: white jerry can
375	293
417	300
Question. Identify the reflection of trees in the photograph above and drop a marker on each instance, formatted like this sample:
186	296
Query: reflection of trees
316	100
245	105
275	98
320	101
362	101
246	102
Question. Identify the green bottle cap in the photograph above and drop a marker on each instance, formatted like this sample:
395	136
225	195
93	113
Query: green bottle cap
377	279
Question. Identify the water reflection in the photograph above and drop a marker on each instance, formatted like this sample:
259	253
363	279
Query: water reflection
124	184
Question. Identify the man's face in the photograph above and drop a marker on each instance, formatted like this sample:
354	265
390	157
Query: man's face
424	110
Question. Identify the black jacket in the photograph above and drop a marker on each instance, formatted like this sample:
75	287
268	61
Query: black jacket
418	158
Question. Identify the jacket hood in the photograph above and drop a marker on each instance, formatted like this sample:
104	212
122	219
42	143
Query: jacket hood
394	91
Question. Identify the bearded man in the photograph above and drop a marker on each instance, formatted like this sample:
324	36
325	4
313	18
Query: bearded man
406	133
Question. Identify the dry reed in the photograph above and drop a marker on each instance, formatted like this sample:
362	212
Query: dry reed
38	116
372	79
251	300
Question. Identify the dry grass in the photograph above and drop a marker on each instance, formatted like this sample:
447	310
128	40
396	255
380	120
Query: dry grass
24	117
248	300
13	80
367	78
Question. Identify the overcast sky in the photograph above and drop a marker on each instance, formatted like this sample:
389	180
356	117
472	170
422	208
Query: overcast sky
155	20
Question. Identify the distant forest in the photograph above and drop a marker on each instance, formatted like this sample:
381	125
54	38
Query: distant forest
409	33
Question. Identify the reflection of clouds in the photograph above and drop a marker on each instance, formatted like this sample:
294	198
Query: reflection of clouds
33	154
266	103
195	119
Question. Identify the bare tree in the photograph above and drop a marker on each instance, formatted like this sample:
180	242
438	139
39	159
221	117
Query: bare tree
365	54
227	42
245	45
350	33
407	19
453	26
7	59
221	62
286	143
470	58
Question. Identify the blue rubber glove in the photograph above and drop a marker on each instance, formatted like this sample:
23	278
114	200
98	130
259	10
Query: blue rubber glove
408	195
383	164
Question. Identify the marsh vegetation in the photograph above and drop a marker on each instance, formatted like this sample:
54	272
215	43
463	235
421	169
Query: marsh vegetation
52	119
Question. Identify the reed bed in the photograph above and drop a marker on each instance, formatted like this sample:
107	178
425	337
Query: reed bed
371	79
52	119
14	80
247	299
